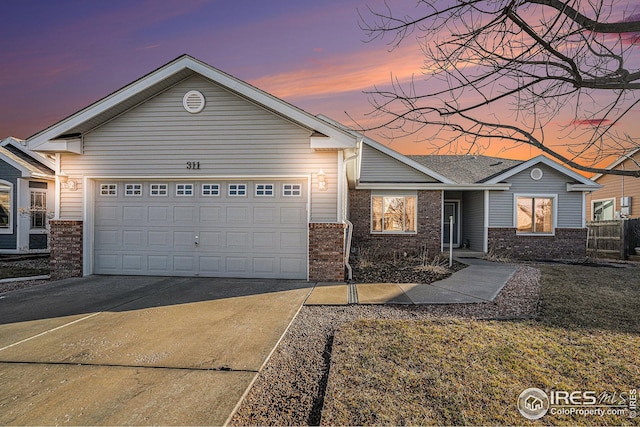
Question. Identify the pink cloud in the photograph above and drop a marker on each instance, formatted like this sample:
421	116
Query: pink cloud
590	122
151	46
344	73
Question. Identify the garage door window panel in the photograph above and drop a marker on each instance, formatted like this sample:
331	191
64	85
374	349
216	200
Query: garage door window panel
159	190
237	190
184	190
292	190
109	190
133	190
264	190
211	190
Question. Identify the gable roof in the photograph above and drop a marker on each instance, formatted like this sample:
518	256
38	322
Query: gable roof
30	164
65	135
618	162
468	172
580	183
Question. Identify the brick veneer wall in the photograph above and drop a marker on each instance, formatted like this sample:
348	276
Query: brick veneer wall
568	243
326	252
429	226
66	249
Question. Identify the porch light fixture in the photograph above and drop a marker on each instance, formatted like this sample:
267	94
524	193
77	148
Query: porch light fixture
66	183
322	180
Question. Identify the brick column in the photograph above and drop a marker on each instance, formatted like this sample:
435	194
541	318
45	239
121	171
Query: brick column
326	252
66	249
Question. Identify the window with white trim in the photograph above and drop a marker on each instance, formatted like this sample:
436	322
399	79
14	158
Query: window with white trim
264	189
292	190
210	189
535	214
109	190
6	210
38	208
393	214
159	190
237	190
603	210
184	189
133	190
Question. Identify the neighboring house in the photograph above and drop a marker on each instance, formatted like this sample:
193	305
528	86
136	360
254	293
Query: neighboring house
189	171
619	196
26	198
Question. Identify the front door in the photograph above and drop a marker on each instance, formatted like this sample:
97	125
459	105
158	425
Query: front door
451	209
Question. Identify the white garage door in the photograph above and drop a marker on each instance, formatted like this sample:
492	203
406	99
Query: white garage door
201	228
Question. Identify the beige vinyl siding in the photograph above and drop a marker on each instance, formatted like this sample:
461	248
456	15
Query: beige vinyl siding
613	189
569	208
230	137
379	167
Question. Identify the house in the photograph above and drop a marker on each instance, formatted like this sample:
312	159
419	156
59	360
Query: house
189	171
619	196
523	209
26	198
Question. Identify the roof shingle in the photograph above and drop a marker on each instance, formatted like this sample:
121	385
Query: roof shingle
466	169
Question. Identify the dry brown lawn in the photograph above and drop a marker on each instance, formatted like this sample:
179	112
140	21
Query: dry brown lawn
470	372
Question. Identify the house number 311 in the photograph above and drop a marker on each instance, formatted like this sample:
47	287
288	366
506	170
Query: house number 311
193	165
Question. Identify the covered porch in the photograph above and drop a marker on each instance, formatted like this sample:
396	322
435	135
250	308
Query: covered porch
467	207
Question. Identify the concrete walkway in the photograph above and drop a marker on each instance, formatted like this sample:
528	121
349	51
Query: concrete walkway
480	282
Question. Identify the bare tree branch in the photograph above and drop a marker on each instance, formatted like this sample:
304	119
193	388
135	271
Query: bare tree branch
589	24
525	63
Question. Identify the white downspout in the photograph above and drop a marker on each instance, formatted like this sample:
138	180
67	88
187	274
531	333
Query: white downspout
347	248
349	228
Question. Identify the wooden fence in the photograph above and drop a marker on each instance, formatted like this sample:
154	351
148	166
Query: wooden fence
613	239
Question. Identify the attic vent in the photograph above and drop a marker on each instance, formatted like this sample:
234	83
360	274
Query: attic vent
193	101
536	174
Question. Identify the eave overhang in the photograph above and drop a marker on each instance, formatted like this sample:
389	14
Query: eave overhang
583	187
431	186
62	145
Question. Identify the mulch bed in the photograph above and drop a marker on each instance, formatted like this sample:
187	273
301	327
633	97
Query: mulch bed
403	270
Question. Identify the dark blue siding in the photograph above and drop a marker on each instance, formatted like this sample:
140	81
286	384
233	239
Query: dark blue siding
10	174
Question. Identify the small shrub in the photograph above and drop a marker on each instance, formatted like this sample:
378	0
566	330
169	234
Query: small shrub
367	257
437	265
495	256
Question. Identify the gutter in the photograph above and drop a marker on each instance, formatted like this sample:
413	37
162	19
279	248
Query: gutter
429	186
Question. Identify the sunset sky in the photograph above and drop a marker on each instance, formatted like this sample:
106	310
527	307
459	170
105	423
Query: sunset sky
57	57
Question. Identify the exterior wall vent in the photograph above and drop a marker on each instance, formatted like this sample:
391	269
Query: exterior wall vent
536	174
193	101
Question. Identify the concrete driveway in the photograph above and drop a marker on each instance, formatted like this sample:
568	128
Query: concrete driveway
137	350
